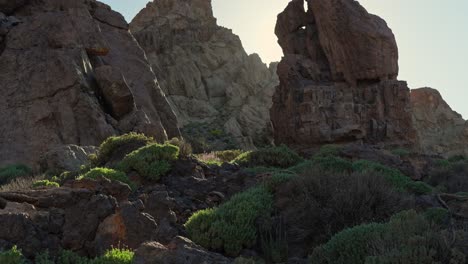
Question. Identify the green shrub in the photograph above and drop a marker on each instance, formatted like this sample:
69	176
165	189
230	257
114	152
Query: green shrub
407	238
331	163
329	150
44	258
112	144
277	179
45	183
152	161
12	256
70	257
419	188
185	149
107	173
401	152
317	204
279	157
115	256
437	215
456	158
395	177
228	155
10	172
231	227
216	132
450	178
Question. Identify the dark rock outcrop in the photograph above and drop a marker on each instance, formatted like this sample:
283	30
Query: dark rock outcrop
71	73
338	78
204	70
441	130
181	250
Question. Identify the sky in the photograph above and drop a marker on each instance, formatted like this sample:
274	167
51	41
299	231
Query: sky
432	37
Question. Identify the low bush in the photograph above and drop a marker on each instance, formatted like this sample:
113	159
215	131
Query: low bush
20	183
401	152
45	183
12	256
279	157
11	172
151	162
115	256
228	155
332	163
107	173
185	149
395	177
407	238
231	227
329	150
112	256
451	177
327	202
123	144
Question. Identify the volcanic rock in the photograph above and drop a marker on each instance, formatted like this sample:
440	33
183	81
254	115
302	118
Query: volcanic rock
181	250
338	78
72	74
441	130
204	70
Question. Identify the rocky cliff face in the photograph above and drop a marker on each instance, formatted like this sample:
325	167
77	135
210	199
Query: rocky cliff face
441	130
338	78
204	69
71	73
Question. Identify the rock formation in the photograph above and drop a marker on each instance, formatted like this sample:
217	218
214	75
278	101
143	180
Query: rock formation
441	130
338	78
204	70
71	73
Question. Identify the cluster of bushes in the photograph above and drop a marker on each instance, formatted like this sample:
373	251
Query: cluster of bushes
231	227
112	256
208	137
324	203
408	237
119	155
327	160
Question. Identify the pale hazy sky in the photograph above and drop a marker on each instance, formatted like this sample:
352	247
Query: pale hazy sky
432	37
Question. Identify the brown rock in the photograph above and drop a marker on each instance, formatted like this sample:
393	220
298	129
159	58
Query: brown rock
50	96
338	78
204	70
53	219
441	130
66	158
181	251
114	89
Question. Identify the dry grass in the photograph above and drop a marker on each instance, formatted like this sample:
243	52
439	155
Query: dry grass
21	183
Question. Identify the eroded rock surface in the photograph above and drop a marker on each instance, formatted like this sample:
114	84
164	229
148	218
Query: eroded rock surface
205	71
338	78
441	130
72	74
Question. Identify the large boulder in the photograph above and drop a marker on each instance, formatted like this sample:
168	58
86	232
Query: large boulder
204	70
338	78
441	130
72	74
88	217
